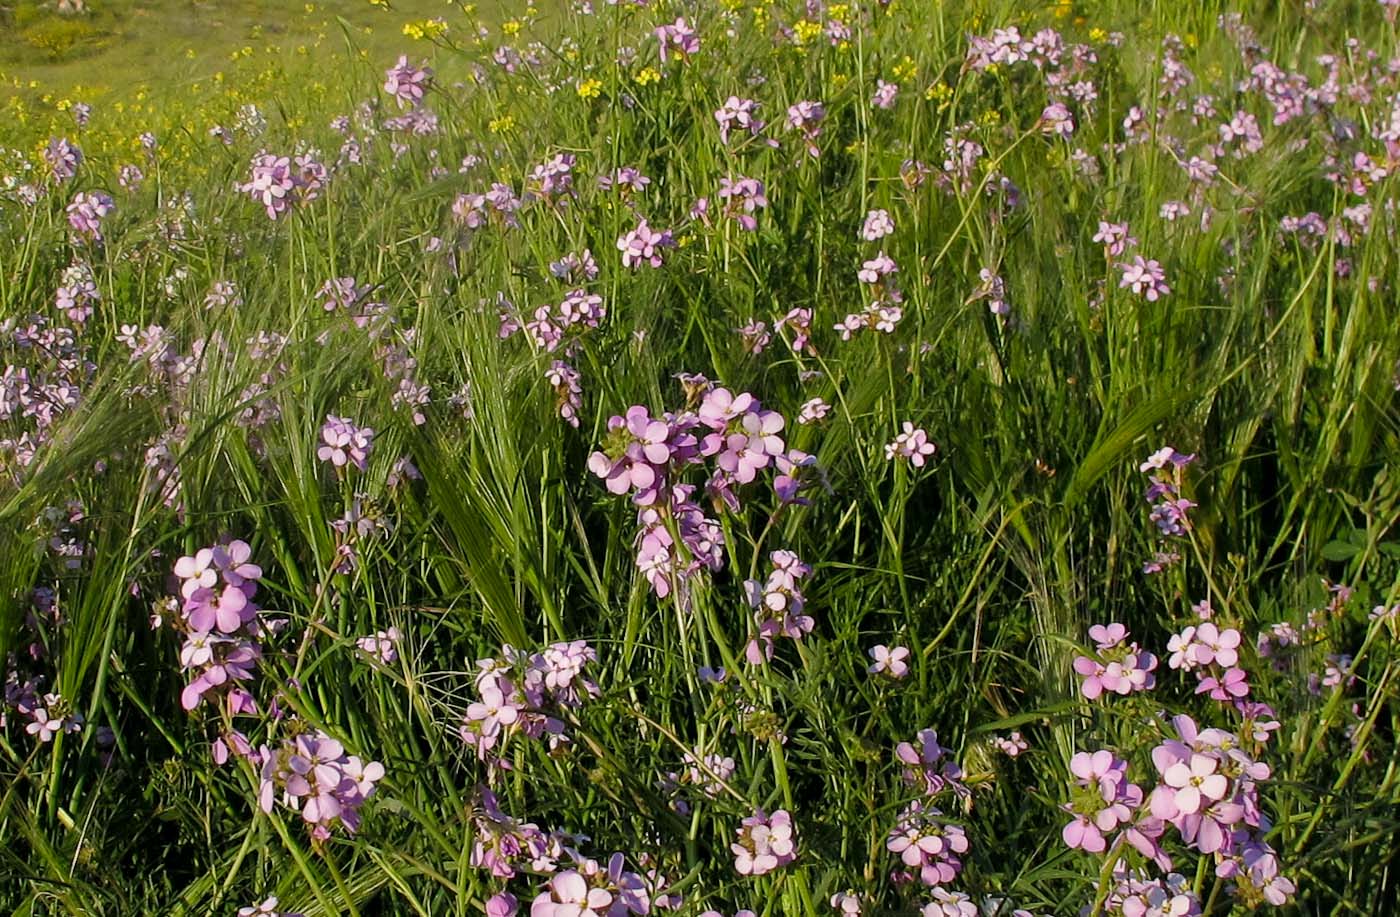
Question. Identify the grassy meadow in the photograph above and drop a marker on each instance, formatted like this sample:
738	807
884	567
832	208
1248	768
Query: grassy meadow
712	457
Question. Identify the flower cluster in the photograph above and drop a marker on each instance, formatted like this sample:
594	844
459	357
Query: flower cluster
342	443
499	205
706	773
1165	470
778	606
738	113
1213	654
765	843
504	846
883	311
86	213
912	444
526	694
406	83
644	244
929	766
381	646
277	183
1104	801
677	40
1207	790
549	325
317	778
806	118
1116	665
647	456
591	890
929	846
49	714
741	197
220	622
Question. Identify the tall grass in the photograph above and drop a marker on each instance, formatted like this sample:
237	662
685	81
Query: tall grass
1273	358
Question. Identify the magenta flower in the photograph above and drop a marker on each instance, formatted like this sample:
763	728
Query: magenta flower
1057	120
406	83
502	904
889	661
1217	646
765	843
677	39
778	605
947	903
742	196
813	411
1196	783
268	908
568	390
1011	745
930	766
885	94
738	113
345	443
1145	278
1114	237
1230	686
878	224
381	646
1116	666
271	183
912	444
1104	802
928	845
63	158
644	244
87	211
806	118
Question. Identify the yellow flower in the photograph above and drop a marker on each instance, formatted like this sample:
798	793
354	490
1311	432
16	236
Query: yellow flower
905	70
837	11
838	80
989	117
941	93
647	76
1063	8
589	89
510	27
1097	34
805	30
501	125
310	8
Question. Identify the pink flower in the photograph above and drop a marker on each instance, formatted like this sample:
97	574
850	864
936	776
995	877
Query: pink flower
1145	278
345	443
406	83
644	244
912	444
889	661
765	843
1196	783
